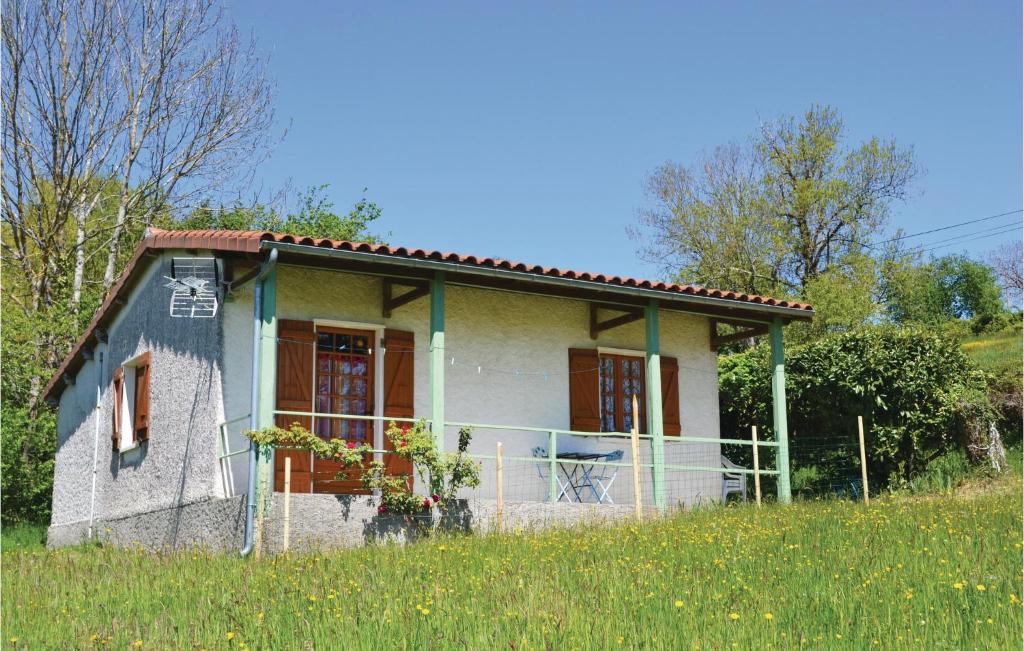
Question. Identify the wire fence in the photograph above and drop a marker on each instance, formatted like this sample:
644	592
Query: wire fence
562	467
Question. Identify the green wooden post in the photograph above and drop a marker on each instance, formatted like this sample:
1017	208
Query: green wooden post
268	384
779	410
552	467
437	358
655	422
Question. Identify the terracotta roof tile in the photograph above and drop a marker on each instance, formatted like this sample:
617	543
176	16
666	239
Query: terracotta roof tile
251	241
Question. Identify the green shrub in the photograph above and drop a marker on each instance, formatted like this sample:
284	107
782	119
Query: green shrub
919	394
942	475
805	478
26	479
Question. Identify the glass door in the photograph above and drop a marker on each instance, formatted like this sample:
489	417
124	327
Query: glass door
344	385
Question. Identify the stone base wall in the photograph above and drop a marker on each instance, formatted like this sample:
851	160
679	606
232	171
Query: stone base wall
321	522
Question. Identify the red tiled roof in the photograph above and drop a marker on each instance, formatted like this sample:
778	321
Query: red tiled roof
251	242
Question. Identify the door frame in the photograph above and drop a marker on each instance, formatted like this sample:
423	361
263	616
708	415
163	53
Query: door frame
378	374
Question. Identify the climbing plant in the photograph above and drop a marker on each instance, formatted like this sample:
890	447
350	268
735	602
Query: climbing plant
443	473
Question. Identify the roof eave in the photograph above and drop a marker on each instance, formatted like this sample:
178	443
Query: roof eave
755	310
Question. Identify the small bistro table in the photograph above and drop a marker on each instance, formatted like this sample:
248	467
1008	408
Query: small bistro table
577	468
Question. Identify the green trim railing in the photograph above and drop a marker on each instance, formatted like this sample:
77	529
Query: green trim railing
552	445
225	453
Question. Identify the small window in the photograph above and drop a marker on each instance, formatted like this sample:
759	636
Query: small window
621	377
131	404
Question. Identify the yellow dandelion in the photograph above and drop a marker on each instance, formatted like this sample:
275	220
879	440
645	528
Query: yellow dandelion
980	588
958	585
231	635
425	611
734	616
769	616
137	644
679	603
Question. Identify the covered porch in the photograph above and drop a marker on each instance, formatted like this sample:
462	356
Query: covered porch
680	464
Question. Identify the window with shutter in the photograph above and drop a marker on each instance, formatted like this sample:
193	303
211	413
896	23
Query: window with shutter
601	389
118	399
584	397
621	377
131	398
140	431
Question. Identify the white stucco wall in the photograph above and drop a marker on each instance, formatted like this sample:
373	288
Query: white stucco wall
177	465
507	364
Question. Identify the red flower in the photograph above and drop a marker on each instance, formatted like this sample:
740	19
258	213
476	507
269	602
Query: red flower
436	498
426	503
351	445
382	509
401	444
405	429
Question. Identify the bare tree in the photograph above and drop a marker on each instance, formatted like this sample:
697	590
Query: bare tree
115	113
126	107
1007	263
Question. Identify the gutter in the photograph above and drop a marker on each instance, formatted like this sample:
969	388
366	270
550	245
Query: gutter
254	399
755	309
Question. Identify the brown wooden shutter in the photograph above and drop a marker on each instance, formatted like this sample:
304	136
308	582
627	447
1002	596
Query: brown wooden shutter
670	396
142	378
584	391
399	382
115	434
296	350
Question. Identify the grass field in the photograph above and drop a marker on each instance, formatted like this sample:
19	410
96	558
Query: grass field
938	573
998	353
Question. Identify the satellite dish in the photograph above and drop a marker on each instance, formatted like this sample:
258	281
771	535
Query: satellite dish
193	297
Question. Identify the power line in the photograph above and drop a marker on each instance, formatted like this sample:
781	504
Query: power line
981	237
1011	226
945	228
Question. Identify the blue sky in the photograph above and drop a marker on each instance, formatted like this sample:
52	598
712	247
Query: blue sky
526	130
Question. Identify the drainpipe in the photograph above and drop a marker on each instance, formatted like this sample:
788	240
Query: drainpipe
96	438
254	398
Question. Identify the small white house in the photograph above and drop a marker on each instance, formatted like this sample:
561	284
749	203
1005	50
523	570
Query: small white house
211	333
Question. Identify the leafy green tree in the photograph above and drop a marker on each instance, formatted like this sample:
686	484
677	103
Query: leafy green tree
771	216
315	217
844	296
944	289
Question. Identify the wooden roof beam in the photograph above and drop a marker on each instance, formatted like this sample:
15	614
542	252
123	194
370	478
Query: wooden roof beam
390	302
747	332
628	315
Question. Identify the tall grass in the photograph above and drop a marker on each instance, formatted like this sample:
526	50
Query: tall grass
936	573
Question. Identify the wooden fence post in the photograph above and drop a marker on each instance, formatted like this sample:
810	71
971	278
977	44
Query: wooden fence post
635	444
863	458
498	465
757	473
287	500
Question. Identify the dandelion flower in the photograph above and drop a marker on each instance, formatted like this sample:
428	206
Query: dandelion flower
734	616
958	585
769	616
980	588
679	603
137	644
231	635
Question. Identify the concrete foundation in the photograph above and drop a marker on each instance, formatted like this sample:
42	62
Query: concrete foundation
321	522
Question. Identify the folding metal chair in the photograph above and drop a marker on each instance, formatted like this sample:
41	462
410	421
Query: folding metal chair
541	452
605	477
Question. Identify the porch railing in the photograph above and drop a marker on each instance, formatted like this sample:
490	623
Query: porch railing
552	460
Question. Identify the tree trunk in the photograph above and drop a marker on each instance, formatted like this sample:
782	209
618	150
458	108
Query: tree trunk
81	213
